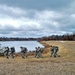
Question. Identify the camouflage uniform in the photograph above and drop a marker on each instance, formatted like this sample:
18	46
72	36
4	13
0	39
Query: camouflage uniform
36	52
54	51
23	52
6	52
12	51
39	52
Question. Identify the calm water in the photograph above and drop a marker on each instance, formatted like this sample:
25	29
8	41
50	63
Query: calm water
29	44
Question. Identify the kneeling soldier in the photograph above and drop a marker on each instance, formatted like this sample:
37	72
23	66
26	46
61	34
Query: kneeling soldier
23	52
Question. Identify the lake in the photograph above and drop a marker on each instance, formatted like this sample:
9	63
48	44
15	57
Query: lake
30	45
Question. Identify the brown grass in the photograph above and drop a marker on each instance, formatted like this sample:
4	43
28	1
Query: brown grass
64	65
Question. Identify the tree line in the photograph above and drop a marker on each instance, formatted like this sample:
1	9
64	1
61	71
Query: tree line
66	37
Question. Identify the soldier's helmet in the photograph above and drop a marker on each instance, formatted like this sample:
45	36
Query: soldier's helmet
7	47
38	47
35	47
21	47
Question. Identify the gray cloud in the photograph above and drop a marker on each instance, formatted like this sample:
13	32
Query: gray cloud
19	20
38	4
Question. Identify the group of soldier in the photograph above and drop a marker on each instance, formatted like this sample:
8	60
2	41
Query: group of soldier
38	52
7	50
11	50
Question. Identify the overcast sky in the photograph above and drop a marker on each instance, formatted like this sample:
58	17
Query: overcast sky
36	18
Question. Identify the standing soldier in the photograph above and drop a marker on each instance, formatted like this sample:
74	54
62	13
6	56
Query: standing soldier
36	52
12	51
40	52
54	50
23	52
6	52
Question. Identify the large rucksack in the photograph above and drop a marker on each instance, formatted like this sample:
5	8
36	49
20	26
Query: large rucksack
12	50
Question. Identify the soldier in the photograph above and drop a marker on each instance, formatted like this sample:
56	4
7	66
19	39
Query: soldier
23	52
12	51
39	52
54	50
6	52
